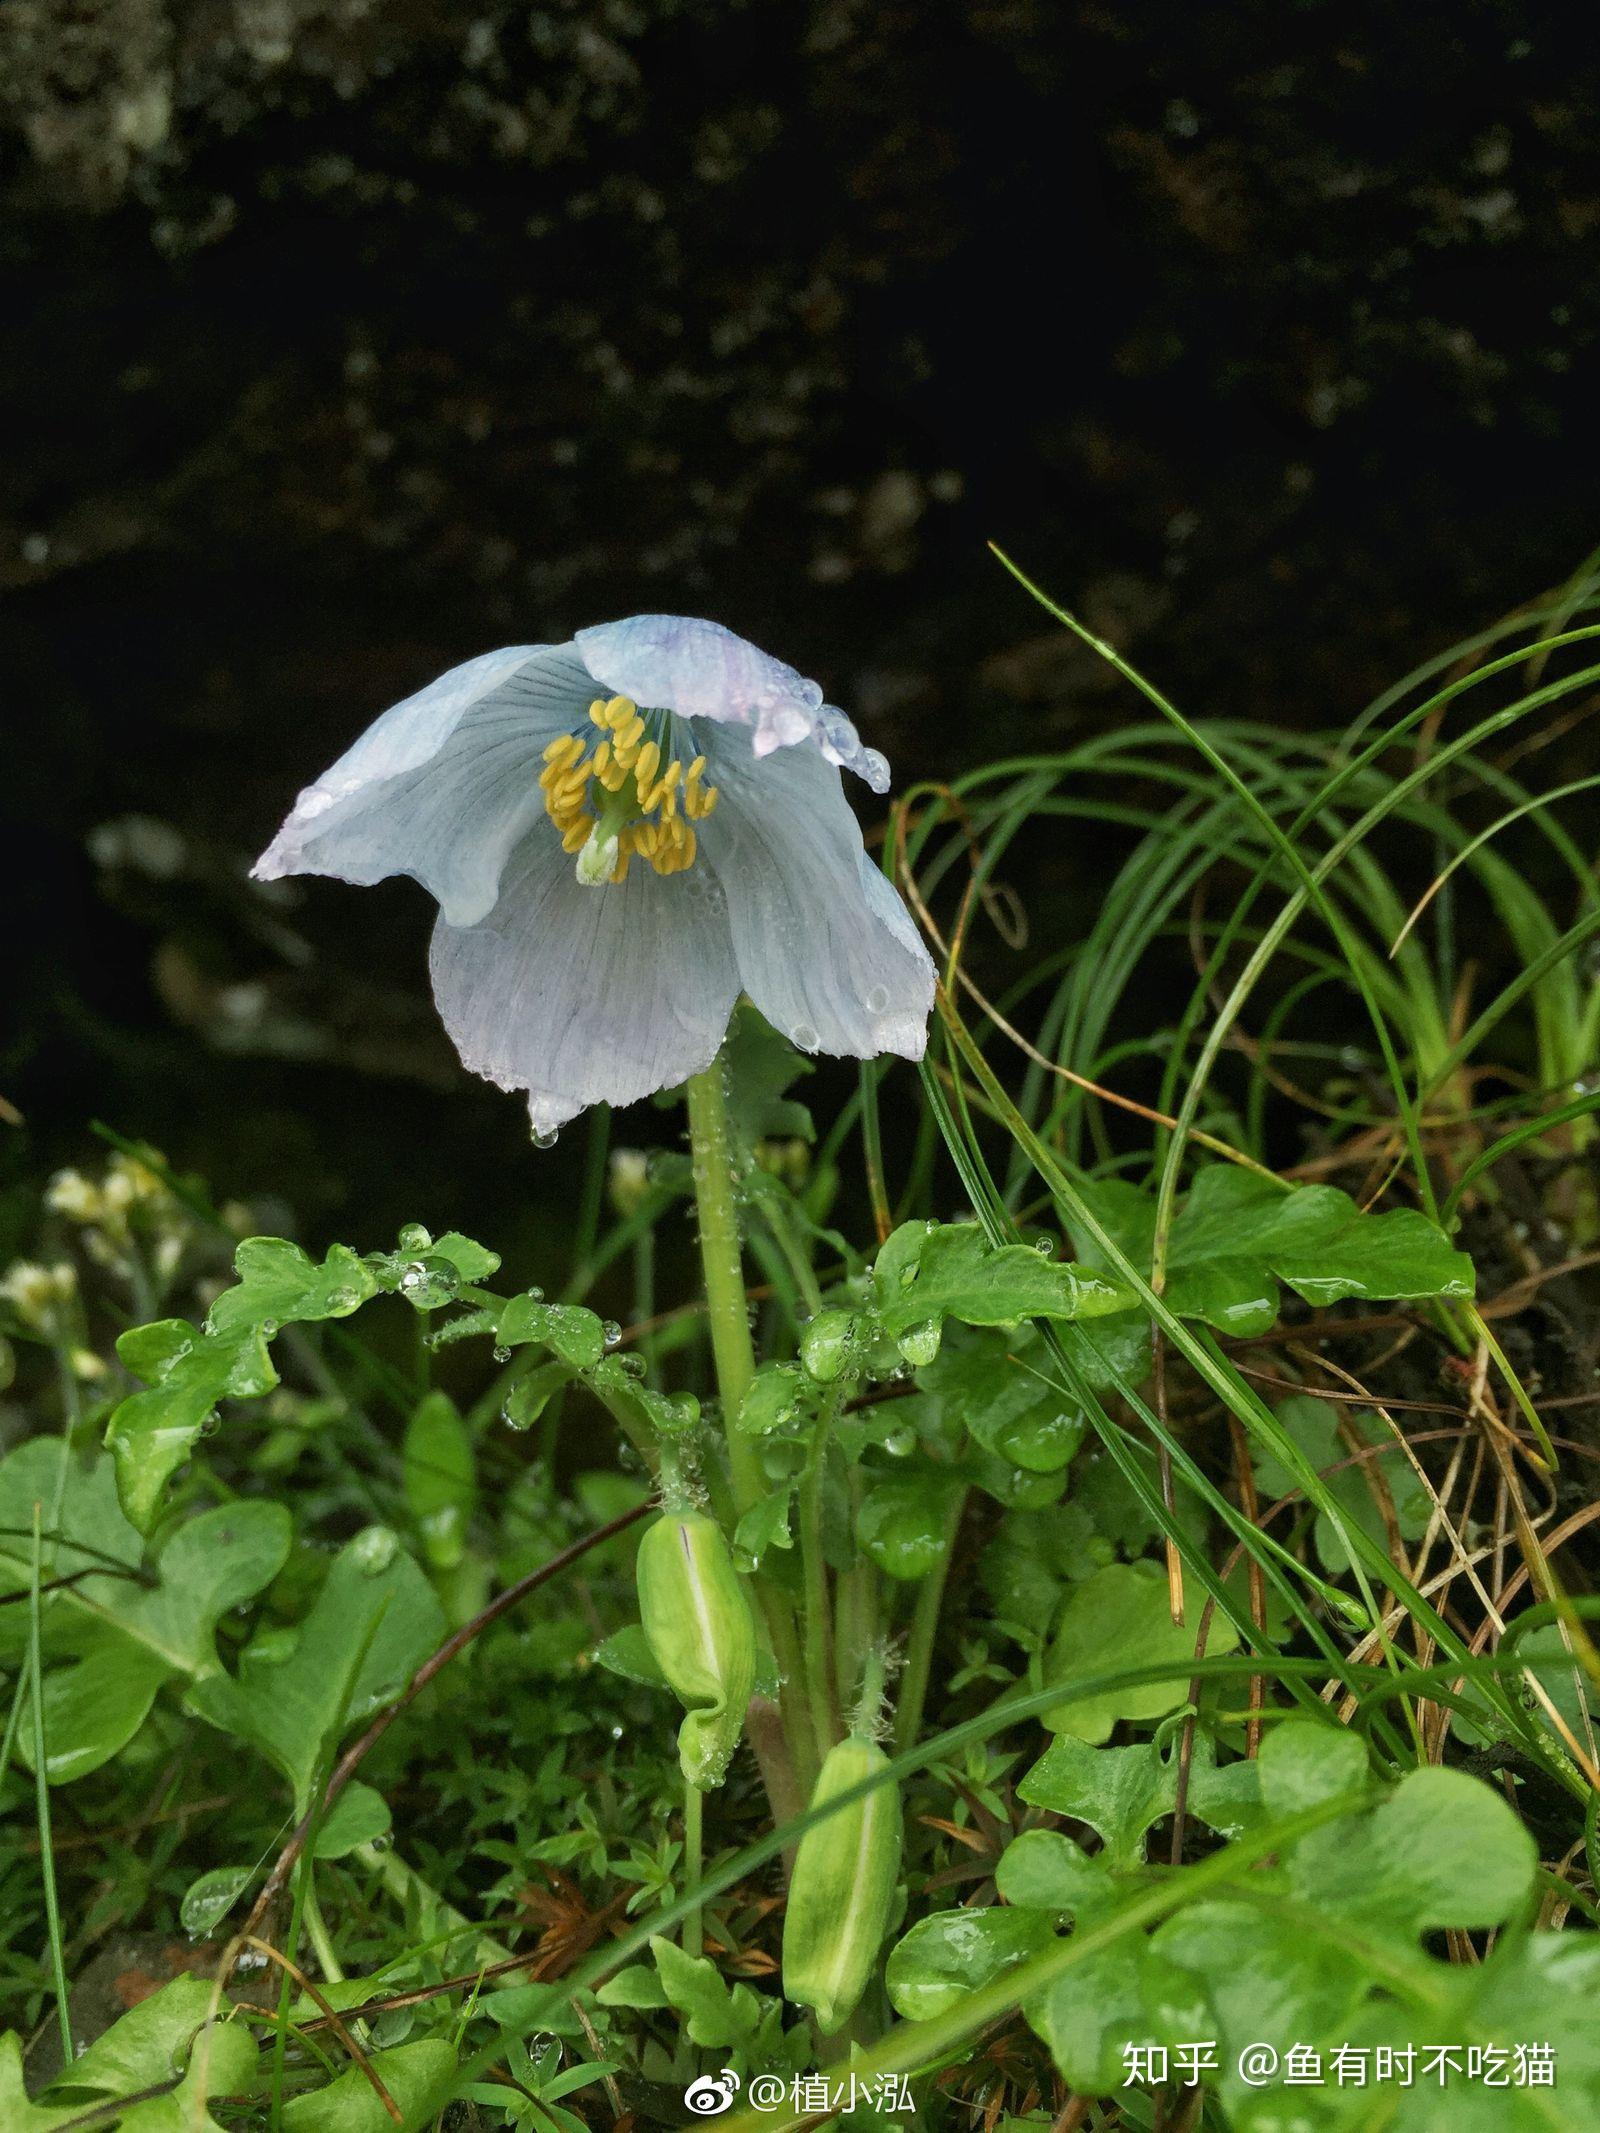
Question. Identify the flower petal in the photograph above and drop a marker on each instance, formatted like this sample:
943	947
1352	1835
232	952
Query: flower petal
443	785
583	995
701	670
824	945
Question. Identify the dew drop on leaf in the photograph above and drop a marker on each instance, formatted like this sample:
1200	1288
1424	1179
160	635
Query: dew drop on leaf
375	1549
920	1344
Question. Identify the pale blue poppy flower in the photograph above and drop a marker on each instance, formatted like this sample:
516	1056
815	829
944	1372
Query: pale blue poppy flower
623	834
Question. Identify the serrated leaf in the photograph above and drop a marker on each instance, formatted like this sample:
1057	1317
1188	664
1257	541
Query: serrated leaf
714	2012
632	1401
279	1283
759	1066
984	1382
192	1369
765	1525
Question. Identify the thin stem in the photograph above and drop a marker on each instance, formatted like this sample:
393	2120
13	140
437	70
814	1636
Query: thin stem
321	1939
417	1897
47	1864
693	1862
924	1628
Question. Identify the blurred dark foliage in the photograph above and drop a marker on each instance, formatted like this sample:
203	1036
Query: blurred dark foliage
343	340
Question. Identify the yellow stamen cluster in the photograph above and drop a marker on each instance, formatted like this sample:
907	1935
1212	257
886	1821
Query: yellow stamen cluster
646	805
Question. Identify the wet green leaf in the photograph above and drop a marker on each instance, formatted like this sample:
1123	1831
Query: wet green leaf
1318	1427
1121	1618
122	1627
293	1696
903	1521
569	1331
929	1271
1237	1234
439	1467
419	2077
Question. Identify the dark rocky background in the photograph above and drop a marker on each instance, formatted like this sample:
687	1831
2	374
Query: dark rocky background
343	340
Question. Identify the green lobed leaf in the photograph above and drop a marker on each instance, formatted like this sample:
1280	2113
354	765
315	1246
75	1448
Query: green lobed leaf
190	1370
714	2012
372	1624
112	1637
419	2077
1237	1234
1315	1426
569	1331
148	2046
1122	1792
929	1271
1122	1618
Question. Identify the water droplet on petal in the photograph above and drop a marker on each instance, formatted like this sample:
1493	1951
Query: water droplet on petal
877	999
546	1136
804	1036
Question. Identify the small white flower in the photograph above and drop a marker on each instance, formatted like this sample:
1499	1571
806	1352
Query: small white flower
71	1194
39	1294
623	834
629	1179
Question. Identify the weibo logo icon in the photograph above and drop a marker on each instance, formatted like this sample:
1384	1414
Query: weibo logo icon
712	2093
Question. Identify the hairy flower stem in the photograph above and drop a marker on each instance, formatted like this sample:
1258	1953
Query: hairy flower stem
716	1196
727	1308
693	1863
814	1571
